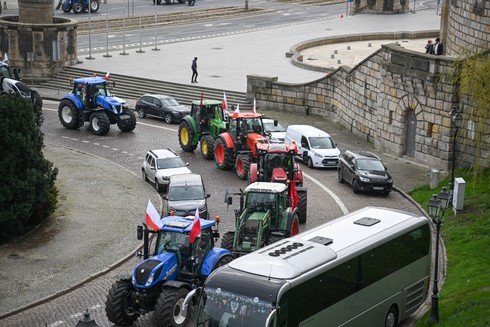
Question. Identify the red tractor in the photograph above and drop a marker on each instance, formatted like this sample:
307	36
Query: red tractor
275	163
237	146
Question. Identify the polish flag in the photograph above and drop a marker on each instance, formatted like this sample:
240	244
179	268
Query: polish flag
202	100
294	196
107	76
254	108
237	111
196	228
153	218
224	105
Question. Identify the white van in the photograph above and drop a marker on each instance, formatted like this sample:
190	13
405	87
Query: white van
315	147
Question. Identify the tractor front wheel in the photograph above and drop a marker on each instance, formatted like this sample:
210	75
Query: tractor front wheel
100	123
127	125
168	309
77	8
227	241
114	306
186	134
223	261
223	156
207	147
68	114
302	205
242	166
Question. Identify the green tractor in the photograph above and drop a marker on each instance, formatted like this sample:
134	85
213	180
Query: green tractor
204	124
264	217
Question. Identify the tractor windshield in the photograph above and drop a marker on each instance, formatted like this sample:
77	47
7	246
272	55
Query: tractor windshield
276	160
260	202
219	307
99	89
252	125
172	241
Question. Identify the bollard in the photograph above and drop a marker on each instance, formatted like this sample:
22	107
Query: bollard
332	56
348	47
434	178
86	321
335	51
339	61
307	110
369	45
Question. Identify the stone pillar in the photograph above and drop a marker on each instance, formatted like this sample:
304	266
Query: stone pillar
36	11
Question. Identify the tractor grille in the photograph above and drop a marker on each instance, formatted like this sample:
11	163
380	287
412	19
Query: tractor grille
144	271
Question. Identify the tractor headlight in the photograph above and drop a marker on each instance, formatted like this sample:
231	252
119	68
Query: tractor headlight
113	108
149	281
133	280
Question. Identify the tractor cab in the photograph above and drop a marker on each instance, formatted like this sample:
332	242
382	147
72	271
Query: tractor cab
208	115
275	163
246	130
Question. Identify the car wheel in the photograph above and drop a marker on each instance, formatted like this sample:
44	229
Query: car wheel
355	186
141	113
144	175
158	187
310	162
168	118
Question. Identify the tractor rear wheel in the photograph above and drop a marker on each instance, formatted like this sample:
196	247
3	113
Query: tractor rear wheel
293	225
207	147
114	305
302	205
68	114
223	261
37	102
100	123
223	156
186	134
242	166
77	8
127	125
168	309
227	241
94	5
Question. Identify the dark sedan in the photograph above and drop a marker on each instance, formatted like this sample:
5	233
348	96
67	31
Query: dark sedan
163	106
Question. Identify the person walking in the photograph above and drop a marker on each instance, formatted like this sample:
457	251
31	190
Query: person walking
438	48
194	70
429	47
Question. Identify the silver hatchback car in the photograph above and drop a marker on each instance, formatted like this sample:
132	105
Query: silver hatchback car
159	165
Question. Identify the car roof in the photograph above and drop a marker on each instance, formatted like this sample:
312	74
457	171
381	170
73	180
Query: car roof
186	179
182	225
308	131
363	154
89	80
163	153
160	96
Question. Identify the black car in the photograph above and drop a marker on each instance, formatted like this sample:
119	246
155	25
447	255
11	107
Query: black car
365	172
163	106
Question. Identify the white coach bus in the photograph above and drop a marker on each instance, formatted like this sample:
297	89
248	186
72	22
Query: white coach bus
368	268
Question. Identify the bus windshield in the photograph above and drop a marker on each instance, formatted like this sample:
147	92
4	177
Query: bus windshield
219	308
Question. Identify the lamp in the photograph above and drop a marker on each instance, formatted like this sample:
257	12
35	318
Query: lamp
437	207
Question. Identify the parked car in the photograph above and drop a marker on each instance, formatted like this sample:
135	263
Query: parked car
185	193
163	106
159	165
276	130
365	172
315	147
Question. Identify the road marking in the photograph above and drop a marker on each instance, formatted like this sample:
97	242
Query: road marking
332	194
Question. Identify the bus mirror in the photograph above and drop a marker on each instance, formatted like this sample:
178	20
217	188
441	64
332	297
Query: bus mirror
270	320
188	299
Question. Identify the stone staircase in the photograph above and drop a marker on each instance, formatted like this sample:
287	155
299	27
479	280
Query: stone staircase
131	88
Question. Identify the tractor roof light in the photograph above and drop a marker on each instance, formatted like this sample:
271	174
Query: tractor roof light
217	219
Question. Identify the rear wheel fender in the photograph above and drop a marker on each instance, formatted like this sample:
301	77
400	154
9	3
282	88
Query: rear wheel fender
228	140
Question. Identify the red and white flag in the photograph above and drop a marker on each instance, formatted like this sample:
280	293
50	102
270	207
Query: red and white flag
254	108
196	228
237	111
202	100
107	76
153	218
294	195
224	105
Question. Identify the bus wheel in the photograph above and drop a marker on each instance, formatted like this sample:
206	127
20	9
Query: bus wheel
391	319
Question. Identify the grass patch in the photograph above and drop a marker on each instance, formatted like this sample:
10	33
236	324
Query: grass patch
464	299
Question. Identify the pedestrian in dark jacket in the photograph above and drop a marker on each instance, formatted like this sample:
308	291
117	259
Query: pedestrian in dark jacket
438	48
429	47
194	70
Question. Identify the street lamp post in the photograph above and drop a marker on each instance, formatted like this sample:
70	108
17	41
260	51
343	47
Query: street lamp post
437	207
456	123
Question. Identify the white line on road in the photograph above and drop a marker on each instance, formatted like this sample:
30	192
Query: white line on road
329	191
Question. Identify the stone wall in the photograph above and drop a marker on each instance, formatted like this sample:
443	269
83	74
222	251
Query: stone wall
397	99
469	27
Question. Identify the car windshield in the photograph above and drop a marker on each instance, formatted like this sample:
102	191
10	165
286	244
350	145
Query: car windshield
368	164
186	193
168	163
170	102
269	126
322	143
218	307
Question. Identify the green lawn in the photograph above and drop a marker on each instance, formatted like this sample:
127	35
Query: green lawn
464	298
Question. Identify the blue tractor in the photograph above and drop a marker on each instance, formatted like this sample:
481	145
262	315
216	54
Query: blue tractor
78	6
90	101
171	268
